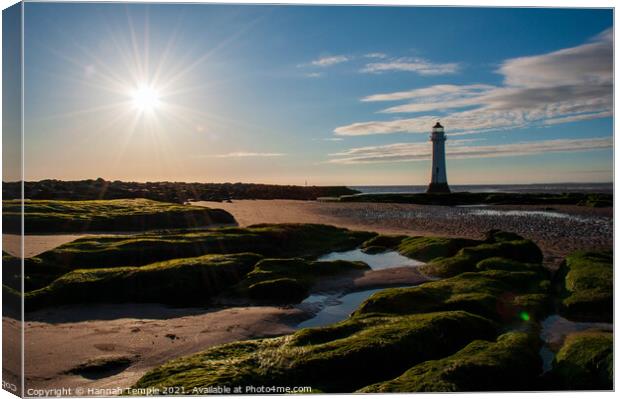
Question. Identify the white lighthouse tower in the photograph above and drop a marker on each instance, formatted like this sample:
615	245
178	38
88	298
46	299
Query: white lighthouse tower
439	181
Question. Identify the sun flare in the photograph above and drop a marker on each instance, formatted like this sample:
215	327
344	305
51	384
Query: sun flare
145	98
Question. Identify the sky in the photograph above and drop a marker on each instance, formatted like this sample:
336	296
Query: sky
316	95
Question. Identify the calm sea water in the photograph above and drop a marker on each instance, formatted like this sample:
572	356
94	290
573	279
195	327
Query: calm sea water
511	188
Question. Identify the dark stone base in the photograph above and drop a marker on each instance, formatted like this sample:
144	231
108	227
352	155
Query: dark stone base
438	188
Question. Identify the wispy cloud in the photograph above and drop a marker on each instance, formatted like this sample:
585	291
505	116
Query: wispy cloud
417	65
330	60
562	86
243	154
445	92
375	55
314	75
407	152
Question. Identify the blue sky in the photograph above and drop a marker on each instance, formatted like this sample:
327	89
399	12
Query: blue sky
327	95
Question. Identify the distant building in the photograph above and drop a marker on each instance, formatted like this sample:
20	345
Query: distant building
439	181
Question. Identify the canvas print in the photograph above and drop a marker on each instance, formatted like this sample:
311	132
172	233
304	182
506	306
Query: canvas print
283	199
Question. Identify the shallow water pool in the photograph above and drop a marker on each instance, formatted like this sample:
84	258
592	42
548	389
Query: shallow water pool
333	308
384	260
553	331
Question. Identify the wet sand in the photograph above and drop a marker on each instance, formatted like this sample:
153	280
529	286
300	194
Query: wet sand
58	340
35	244
558	230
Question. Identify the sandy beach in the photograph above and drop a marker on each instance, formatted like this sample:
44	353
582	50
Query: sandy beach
59	340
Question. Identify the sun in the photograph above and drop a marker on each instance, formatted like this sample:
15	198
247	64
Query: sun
145	98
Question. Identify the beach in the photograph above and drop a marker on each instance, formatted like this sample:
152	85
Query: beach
558	230
130	339
60	340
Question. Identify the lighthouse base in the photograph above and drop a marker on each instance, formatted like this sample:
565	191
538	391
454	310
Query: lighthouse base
438	188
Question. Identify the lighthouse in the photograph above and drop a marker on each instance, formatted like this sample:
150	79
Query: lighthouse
439	181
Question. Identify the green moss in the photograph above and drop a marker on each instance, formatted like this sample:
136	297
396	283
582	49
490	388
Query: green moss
106	215
586	280
585	361
190	281
339	358
495	294
497	263
510	363
429	248
381	243
467	258
273	240
289	280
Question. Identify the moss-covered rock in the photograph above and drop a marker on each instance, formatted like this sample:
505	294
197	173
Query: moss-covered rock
467	258
284	290
272	240
429	248
585	361
510	265
290	280
189	281
496	235
510	363
53	216
338	358
381	243
497	294
11	302
586	286
11	271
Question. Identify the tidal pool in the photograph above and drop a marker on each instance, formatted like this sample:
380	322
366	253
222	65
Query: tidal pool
384	260
553	331
333	308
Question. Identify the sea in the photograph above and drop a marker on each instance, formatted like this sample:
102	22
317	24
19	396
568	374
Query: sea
506	188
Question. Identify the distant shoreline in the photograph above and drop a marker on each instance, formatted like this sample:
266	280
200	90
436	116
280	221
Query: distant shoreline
181	192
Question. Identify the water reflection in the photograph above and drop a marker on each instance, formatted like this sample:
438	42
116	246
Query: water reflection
553	331
332	308
379	261
548	214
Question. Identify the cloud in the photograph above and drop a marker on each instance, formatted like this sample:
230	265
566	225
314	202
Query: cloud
243	154
446	92
375	55
314	75
563	86
329	60
407	152
418	65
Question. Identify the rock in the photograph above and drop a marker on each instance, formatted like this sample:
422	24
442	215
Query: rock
339	358
510	363
585	281
585	361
